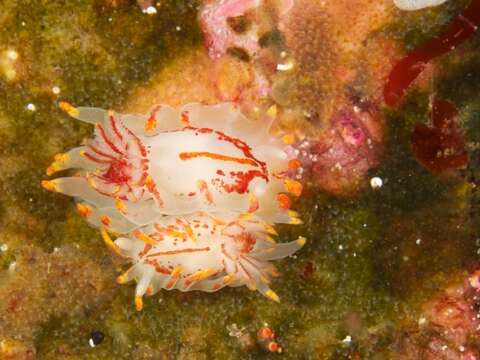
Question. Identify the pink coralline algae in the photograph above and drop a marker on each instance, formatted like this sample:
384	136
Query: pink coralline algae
449	326
218	34
341	157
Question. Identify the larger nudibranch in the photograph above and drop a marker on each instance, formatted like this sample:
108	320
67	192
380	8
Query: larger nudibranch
176	161
201	252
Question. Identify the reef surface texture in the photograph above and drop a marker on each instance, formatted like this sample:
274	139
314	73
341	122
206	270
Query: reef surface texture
390	268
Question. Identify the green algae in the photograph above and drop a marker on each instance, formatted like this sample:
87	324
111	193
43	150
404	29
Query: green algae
363	250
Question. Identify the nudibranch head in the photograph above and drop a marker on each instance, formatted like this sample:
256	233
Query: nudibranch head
202	252
176	161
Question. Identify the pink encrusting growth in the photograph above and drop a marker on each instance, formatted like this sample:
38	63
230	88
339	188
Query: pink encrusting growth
340	158
218	35
141	172
450	325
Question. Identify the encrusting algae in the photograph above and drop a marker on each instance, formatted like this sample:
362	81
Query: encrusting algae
349	292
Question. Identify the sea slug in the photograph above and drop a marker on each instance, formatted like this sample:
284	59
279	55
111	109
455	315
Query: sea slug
178	168
202	252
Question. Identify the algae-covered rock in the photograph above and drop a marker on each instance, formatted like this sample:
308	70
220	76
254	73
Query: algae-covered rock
372	260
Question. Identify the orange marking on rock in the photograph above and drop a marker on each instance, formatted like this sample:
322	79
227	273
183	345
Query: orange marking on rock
273	347
265	333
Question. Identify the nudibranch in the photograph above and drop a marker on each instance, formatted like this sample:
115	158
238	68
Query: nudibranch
176	161
201	252
192	194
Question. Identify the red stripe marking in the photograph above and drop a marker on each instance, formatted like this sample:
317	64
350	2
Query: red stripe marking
101	153
113	123
97	160
175	252
107	140
242	178
215	156
143	152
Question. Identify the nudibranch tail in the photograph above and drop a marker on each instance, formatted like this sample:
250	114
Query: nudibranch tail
233	252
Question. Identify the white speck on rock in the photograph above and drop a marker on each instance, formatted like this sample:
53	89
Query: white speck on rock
347	340
150	10
376	182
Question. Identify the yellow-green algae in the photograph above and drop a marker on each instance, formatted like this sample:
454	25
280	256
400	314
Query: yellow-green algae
364	251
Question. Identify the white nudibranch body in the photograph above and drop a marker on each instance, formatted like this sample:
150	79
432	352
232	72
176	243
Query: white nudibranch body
411	5
202	252
178	168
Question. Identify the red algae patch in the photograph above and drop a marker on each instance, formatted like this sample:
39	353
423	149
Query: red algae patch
440	146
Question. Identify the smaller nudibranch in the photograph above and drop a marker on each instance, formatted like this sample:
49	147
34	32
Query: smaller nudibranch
201	252
175	161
